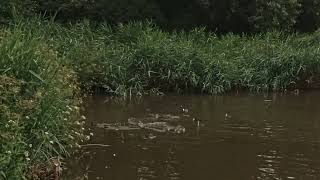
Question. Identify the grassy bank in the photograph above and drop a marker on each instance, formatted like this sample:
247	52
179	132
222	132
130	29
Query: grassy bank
41	63
39	106
140	58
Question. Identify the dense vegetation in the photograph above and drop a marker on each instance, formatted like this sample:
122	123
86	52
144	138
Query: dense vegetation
39	104
219	16
137	58
43	63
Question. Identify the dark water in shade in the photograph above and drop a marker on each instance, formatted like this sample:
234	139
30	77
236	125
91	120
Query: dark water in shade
241	137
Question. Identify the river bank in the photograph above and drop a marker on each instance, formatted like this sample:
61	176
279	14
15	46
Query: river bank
39	107
139	58
44	66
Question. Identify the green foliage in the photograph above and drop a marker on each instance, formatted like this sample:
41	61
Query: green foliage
219	16
11	149
276	14
138	58
11	9
39	102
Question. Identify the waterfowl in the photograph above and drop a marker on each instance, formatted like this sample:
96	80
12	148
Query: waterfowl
228	116
185	110
197	121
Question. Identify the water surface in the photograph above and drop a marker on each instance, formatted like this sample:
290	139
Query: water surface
239	137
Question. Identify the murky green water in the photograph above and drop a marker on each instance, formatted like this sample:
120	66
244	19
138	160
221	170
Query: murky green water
239	137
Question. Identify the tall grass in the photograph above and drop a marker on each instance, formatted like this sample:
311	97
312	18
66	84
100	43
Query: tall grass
139	58
39	103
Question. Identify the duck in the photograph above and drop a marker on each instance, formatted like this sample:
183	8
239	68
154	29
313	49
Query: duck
197	121
228	116
185	110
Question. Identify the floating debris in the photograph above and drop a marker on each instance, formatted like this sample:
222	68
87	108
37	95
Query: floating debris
155	122
157	125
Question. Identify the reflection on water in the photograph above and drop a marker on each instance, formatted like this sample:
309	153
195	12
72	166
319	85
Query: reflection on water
231	137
